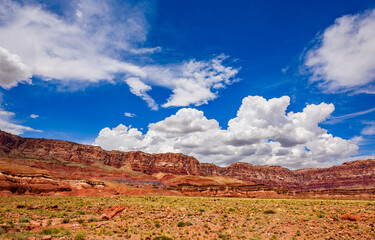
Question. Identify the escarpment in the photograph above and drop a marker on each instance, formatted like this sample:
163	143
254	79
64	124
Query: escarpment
66	159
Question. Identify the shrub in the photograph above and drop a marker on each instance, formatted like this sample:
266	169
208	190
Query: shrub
10	223
269	211
334	217
80	221
24	220
162	238
50	231
79	236
222	236
183	224
93	219
65	220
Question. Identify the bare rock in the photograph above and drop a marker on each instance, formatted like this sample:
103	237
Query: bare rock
112	213
351	217
32	207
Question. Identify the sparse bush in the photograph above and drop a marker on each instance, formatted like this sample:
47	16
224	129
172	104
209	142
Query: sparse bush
334	217
93	219
183	224
79	236
65	220
80	213
50	231
10	223
222	236
80	221
162	238
270	211
49	222
24	220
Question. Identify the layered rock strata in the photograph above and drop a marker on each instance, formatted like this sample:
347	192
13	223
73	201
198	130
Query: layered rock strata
350	175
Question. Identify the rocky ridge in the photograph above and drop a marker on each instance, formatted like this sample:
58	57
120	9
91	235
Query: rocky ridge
350	175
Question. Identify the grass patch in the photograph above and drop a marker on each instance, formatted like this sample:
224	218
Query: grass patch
270	211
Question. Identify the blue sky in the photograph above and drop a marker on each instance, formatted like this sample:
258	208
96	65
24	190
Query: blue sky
205	78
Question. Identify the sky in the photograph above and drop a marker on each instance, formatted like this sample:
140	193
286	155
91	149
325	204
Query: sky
287	83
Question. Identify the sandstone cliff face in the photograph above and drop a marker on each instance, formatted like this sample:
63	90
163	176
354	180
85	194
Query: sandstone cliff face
351	175
15	146
272	176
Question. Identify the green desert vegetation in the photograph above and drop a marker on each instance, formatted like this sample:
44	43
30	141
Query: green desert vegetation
161	217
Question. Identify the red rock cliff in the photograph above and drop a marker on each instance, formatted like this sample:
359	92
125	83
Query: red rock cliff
352	175
19	147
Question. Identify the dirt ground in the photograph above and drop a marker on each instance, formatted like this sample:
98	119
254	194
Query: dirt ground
163	218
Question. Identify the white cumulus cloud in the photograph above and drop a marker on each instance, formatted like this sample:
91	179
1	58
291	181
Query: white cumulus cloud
12	69
99	42
34	116
261	133
344	58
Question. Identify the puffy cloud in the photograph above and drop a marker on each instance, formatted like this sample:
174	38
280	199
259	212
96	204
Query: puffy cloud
12	69
34	116
121	138
185	121
344	58
100	41
261	133
7	124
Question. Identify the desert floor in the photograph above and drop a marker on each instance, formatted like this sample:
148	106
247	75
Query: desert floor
160	217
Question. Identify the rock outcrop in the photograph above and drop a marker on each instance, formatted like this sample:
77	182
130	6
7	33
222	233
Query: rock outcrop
42	184
350	175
